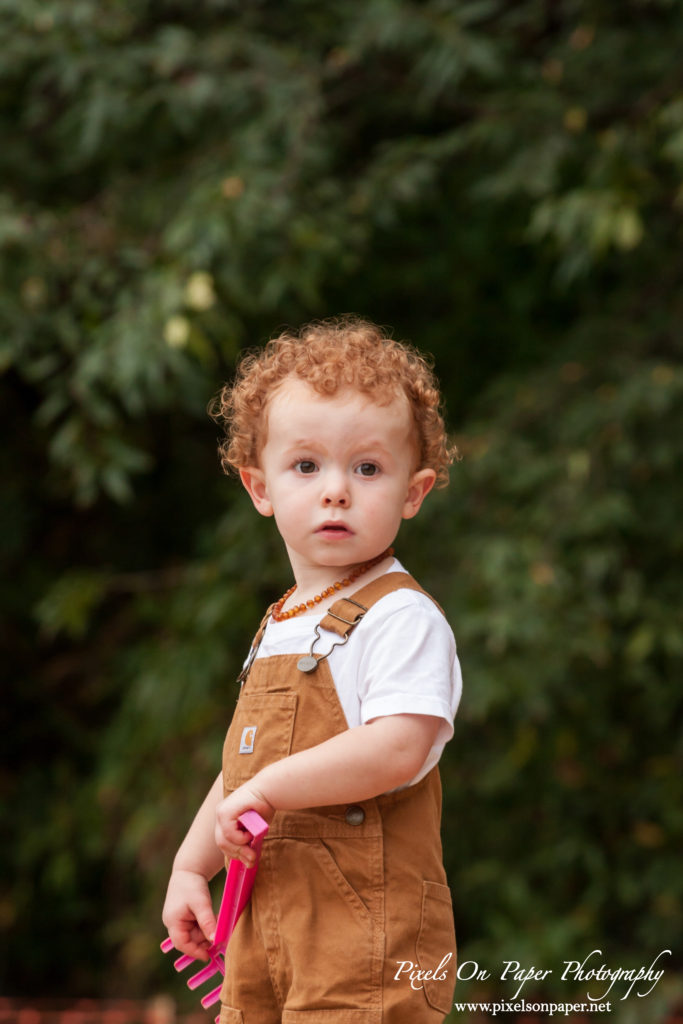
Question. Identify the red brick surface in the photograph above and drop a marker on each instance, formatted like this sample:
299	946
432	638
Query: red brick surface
161	1010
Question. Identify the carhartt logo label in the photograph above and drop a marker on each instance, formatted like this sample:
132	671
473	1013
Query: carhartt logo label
247	741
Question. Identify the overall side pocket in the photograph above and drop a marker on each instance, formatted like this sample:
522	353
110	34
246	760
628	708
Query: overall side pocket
230	1016
436	949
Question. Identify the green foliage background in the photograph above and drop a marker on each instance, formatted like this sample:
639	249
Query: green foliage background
503	184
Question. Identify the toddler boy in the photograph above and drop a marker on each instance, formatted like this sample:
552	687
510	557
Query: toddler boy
347	700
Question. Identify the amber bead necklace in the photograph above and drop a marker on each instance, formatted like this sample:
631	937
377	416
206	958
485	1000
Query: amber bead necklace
279	616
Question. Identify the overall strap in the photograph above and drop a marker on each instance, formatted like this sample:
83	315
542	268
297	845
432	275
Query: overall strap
262	628
255	644
347	612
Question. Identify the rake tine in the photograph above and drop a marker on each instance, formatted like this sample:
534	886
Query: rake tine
211	997
201	976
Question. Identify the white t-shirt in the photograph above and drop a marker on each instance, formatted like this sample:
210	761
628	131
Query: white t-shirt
400	659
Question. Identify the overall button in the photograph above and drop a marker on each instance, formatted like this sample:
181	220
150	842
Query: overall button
355	815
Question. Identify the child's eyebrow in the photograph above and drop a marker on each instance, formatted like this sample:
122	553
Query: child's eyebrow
307	443
362	446
372	445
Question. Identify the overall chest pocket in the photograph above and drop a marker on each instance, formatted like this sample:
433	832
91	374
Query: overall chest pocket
261	732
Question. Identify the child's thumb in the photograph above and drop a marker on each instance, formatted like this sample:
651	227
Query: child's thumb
207	922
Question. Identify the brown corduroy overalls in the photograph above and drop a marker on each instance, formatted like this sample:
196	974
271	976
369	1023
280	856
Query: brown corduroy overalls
346	896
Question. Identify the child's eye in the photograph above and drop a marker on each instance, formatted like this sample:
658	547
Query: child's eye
305	466
367	469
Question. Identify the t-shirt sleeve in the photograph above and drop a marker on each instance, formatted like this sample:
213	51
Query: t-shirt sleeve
409	663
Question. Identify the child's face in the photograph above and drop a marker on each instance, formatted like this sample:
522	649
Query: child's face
337	473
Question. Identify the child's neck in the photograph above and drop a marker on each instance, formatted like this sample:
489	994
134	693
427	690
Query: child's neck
315	590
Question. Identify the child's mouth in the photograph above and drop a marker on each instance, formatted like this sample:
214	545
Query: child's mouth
334	530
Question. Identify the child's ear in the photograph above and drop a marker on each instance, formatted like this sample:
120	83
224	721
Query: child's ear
419	486
254	482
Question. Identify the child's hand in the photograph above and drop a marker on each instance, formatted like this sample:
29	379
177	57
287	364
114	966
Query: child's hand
188	913
229	835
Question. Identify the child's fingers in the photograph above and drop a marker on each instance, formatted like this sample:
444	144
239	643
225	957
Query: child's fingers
243	853
232	840
197	947
190	941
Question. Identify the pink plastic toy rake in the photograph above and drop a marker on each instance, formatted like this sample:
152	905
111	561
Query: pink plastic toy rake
238	886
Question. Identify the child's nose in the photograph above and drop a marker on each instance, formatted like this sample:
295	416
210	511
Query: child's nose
336	491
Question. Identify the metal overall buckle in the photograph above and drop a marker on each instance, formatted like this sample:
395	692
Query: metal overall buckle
309	663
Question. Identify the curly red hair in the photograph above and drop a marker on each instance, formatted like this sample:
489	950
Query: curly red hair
328	355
